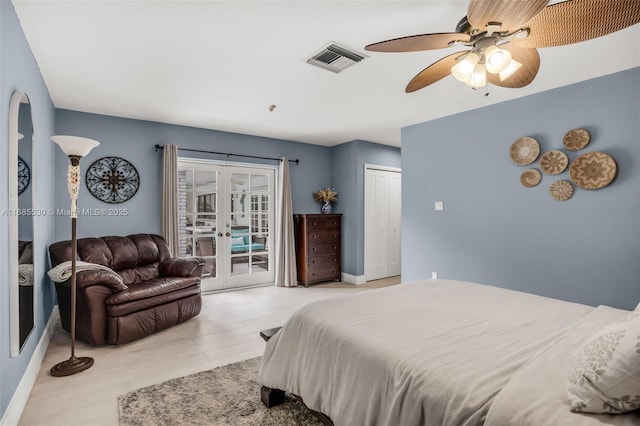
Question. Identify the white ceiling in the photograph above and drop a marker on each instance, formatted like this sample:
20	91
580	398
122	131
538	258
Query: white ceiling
220	64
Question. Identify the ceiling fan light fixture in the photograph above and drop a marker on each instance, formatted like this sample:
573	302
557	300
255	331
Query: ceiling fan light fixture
464	69
496	59
511	68
478	77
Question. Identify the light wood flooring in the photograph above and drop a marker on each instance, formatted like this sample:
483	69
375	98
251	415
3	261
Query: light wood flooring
226	331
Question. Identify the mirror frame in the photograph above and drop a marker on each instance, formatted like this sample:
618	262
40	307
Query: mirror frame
14	290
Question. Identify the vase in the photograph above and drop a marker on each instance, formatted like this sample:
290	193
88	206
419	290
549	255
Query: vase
327	207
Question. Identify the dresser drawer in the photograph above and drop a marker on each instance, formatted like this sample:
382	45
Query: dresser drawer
324	248
329	222
319	275
316	262
323	235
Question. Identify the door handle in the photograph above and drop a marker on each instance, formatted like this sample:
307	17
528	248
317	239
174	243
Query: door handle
219	234
228	234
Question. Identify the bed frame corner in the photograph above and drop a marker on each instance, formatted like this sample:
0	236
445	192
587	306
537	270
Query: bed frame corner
271	397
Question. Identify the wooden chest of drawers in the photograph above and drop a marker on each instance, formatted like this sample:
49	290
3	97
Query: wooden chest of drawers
318	241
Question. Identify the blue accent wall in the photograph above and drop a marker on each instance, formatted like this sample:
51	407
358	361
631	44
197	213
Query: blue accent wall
19	71
348	160
493	230
134	141
341	167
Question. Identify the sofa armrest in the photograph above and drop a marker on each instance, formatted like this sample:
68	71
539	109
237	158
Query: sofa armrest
99	277
182	267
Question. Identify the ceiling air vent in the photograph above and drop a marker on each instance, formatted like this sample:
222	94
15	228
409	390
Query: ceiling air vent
335	58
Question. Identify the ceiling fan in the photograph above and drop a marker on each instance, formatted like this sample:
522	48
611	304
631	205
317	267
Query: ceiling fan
503	36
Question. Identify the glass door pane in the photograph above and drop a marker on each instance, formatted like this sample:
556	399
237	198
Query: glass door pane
197	218
250	218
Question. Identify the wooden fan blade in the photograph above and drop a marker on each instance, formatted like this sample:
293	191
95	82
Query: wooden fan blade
418	42
530	61
434	72
579	20
512	14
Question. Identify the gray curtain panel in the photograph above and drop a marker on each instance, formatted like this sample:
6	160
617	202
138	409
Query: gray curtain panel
286	274
169	209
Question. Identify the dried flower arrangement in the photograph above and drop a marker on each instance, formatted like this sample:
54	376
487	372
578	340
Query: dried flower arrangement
327	194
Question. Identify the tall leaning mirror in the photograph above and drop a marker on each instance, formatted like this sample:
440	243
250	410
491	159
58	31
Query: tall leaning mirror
21	274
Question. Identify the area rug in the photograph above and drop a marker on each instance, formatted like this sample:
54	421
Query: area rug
228	395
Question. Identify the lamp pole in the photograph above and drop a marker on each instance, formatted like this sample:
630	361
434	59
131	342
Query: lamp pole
76	148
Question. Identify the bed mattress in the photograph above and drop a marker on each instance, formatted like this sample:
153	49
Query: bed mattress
436	352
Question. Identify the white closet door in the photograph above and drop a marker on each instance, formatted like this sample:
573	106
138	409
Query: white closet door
382	223
395	217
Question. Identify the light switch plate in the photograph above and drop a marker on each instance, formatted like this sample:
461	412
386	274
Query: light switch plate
439	205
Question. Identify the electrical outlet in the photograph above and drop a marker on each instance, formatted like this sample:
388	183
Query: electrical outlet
434	275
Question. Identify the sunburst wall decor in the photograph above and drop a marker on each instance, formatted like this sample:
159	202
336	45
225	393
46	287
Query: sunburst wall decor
113	180
24	175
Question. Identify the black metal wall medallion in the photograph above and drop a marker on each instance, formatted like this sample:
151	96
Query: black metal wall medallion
112	180
24	175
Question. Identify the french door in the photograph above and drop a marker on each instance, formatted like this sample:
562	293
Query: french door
226	216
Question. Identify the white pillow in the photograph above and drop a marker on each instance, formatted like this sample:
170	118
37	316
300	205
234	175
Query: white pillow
605	374
237	241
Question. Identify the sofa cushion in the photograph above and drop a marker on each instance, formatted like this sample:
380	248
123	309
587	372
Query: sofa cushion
150	302
151	288
92	250
139	274
245	247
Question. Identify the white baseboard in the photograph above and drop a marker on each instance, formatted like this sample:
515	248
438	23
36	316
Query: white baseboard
353	279
21	395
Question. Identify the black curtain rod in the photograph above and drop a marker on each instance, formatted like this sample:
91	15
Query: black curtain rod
228	154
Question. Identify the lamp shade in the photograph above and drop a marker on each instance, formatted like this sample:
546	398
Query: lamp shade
510	70
75	145
478	77
463	70
496	59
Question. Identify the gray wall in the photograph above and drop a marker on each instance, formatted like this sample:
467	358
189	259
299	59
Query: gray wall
348	162
495	231
134	140
19	71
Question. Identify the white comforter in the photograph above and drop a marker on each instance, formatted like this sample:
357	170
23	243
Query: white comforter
536	395
426	353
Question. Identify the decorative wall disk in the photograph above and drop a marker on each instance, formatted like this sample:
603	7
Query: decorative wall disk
554	162
561	190
24	175
524	151
112	180
576	139
530	178
593	170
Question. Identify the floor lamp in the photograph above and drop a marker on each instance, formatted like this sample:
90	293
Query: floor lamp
76	148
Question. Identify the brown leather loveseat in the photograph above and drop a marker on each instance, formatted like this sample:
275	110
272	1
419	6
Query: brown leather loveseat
151	292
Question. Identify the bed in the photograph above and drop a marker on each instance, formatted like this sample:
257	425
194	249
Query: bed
437	352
